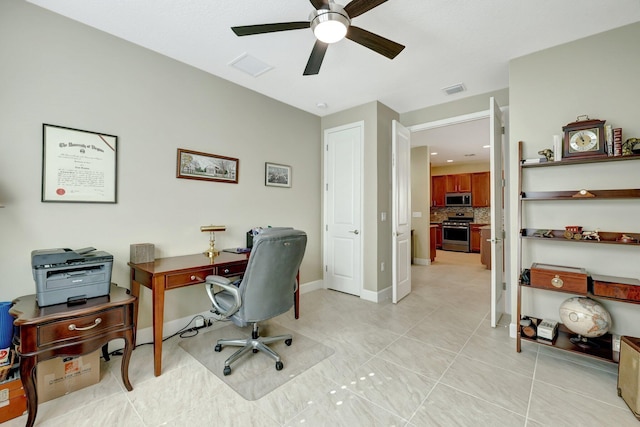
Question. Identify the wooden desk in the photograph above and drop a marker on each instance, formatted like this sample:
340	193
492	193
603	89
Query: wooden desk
61	330
176	272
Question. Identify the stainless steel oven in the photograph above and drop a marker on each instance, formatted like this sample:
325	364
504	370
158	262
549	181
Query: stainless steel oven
456	234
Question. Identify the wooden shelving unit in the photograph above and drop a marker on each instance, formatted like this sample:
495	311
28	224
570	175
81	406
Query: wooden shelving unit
603	349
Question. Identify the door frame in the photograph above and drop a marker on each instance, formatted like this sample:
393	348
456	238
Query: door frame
479	115
325	215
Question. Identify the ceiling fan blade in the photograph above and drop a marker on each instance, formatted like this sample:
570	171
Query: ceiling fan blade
377	43
320	4
358	7
315	60
248	30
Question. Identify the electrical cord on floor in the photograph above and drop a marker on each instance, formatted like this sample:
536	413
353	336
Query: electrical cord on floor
194	331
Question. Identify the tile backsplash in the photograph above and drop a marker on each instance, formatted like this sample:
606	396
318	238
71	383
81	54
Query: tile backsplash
480	215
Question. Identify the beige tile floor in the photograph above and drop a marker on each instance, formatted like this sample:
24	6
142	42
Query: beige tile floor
431	360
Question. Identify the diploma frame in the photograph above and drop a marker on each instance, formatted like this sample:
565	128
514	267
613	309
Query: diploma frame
78	166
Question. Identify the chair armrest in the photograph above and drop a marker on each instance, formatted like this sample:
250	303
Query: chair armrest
228	286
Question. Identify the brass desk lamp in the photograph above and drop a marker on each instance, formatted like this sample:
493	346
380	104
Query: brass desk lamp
212	252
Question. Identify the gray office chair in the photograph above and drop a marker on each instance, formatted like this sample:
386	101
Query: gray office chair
265	291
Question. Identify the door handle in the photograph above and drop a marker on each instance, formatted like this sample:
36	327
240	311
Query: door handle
354	231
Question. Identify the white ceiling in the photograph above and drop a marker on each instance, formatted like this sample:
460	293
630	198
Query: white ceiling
447	42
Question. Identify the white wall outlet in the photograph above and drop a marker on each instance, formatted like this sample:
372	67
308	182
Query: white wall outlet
199	322
417	214
382	266
383	216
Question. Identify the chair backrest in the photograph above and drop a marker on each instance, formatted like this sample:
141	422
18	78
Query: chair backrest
267	288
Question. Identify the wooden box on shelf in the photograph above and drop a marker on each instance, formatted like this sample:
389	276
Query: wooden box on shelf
559	278
616	287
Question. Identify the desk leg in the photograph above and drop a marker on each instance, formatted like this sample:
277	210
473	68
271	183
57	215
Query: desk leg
296	297
27	371
135	291
158	319
126	356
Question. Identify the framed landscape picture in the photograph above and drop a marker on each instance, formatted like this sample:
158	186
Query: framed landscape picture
206	167
277	175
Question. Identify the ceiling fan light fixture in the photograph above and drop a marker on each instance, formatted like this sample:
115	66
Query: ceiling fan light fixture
330	25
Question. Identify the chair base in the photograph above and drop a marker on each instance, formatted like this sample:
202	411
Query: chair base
255	343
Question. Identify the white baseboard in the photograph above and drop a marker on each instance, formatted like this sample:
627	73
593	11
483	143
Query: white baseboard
378	296
421	261
311	286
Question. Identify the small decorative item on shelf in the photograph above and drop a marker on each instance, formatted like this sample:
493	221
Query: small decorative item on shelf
626	239
591	235
635	145
543	233
584	138
583	193
528	327
585	317
572	232
547	153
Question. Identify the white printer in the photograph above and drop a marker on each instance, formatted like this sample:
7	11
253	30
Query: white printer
70	276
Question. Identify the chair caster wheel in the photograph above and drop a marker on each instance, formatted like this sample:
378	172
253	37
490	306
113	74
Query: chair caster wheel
279	366
227	370
255	350
218	348
288	341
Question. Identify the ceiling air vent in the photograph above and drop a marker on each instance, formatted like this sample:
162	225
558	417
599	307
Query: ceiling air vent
454	89
250	65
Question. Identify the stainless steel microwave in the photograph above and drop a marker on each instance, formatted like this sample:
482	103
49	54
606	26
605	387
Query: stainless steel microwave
457	199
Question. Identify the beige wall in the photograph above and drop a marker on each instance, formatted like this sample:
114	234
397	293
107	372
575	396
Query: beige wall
460	107
547	92
420	202
55	70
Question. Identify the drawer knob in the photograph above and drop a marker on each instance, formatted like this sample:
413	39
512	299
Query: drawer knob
96	322
226	271
193	277
557	282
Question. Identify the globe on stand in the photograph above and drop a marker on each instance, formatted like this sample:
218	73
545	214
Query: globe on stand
585	317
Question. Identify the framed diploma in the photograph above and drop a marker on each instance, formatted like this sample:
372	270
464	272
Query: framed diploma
78	165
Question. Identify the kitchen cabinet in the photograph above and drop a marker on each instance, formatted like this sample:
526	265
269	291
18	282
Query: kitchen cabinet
433	229
485	246
481	189
438	189
459	183
475	237
438	232
534	241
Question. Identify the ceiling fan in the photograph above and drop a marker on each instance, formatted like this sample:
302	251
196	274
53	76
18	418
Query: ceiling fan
330	23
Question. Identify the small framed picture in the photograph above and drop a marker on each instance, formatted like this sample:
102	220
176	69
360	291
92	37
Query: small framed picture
206	167
277	175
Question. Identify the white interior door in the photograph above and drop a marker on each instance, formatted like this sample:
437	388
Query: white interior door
343	208
401	210
497	211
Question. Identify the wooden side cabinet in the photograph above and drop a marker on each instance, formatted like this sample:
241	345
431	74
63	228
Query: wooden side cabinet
485	246
475	237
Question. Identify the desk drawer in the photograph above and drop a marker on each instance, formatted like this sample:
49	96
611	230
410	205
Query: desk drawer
231	270
62	330
178	280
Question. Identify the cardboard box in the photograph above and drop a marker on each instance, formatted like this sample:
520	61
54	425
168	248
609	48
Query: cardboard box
629	373
13	401
62	375
559	278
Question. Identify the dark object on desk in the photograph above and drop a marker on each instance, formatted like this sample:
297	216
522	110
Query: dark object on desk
266	291
237	250
65	275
